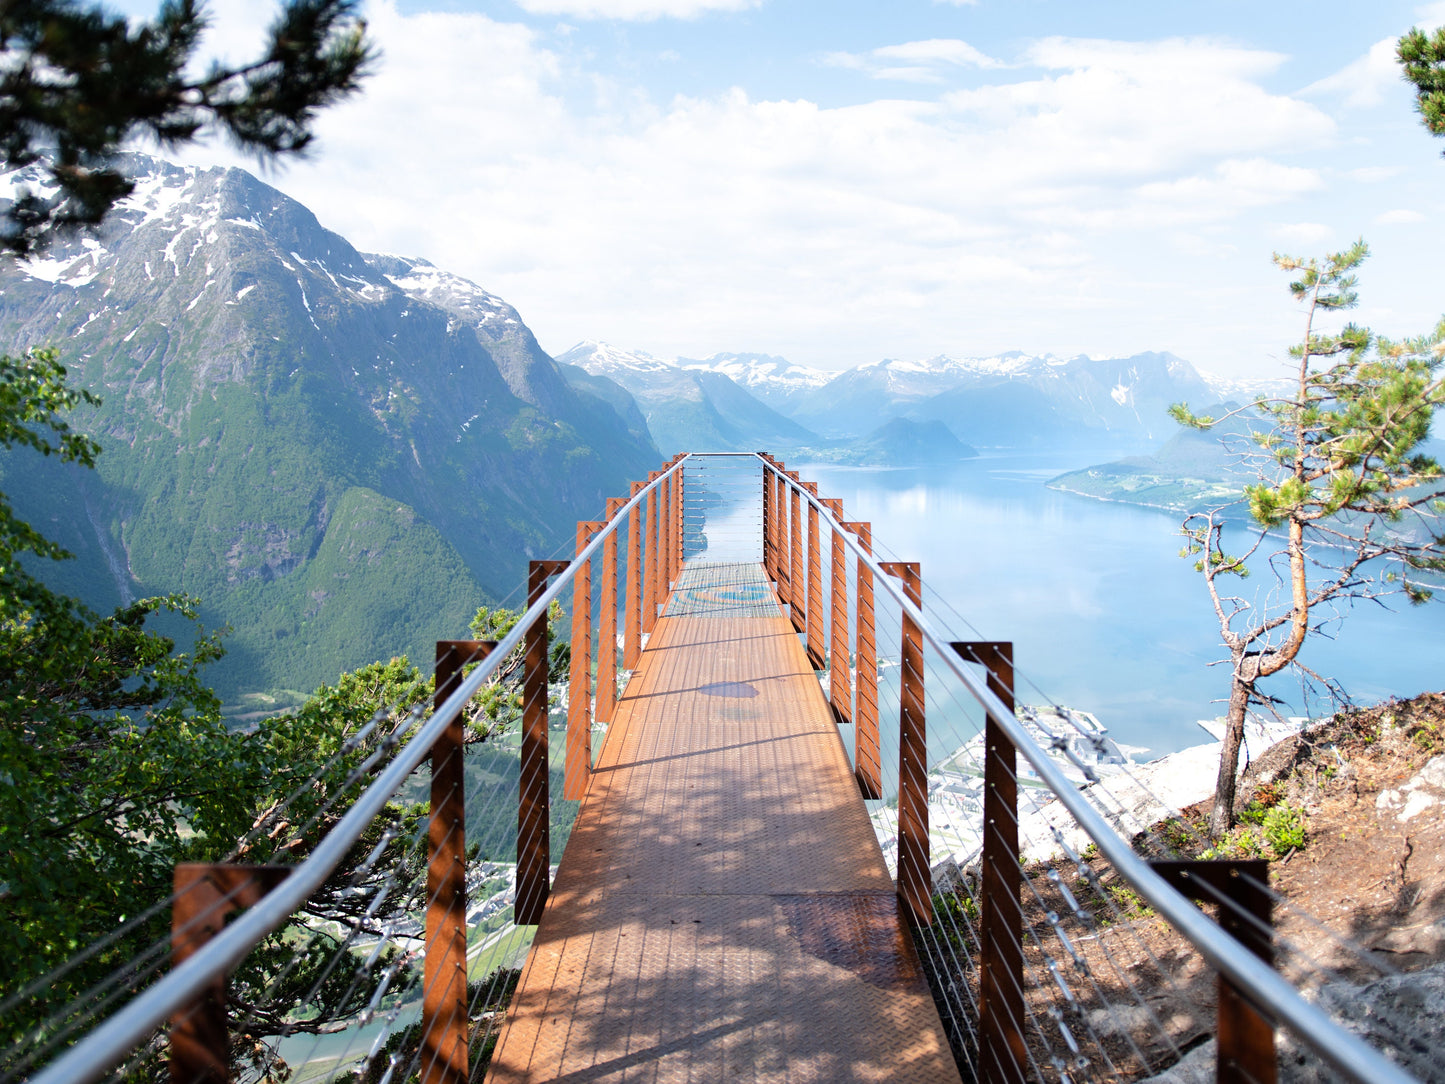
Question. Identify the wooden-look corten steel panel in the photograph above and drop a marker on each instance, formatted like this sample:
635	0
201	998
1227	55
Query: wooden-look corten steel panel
816	614
722	911
444	1000
203	896
914	879
649	556
533	799
607	622
664	548
681	520
578	758
632	617
797	573
783	536
868	755
840	693
768	519
1001	964
674	547
1245	1052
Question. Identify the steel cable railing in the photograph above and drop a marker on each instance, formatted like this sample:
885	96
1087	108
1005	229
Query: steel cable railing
1042	902
1089	983
133	1026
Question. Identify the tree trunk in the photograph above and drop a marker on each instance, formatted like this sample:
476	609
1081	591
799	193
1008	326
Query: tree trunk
1222	819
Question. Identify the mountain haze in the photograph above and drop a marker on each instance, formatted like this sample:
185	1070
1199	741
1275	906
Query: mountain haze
1011	400
341	454
692	409
773	381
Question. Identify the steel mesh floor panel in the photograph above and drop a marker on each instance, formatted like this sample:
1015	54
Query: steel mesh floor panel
722	910
722	589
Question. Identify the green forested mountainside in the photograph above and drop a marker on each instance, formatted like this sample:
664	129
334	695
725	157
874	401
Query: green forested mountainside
1192	471
610	392
342	455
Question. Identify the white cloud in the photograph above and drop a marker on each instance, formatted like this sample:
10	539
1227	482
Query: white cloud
1118	110
1232	185
938	50
634	9
1303	234
1430	16
1399	217
1365	82
1374	174
915	61
831	235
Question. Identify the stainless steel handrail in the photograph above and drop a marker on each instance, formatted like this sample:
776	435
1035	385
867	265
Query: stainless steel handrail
105	1047
1343	1049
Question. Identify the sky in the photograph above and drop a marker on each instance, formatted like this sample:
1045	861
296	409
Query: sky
845	181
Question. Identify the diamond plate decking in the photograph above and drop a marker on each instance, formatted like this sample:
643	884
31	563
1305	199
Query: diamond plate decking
722	910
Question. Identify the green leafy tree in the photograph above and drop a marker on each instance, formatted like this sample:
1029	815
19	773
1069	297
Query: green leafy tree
114	761
498	704
313	760
1344	503
1422	56
77	83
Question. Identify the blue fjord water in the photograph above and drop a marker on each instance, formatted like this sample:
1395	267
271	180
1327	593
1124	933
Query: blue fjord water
1104	614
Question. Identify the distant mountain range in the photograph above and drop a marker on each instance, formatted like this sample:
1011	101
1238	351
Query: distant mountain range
687	409
342	454
1013	400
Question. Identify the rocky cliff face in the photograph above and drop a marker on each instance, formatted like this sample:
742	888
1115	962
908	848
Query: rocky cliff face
342	454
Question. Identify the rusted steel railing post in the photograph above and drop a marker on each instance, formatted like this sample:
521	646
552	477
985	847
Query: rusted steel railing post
649	557
782	542
674	547
767	517
205	894
797	583
1001	970
664	542
578	761
607	622
632	617
443	1057
1246	1052
815	616
533	799
914	879
840	692
867	755
679	553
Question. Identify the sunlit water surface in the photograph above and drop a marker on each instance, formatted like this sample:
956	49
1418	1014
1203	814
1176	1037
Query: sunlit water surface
1104	614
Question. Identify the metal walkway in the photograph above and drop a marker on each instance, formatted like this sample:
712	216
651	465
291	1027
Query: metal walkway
722	911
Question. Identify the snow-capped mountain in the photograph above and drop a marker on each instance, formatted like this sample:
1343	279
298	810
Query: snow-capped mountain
604	359
999	400
1229	389
774	380
688	409
1011	399
341	454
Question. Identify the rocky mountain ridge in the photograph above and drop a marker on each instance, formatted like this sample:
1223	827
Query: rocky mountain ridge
341	454
1012	399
